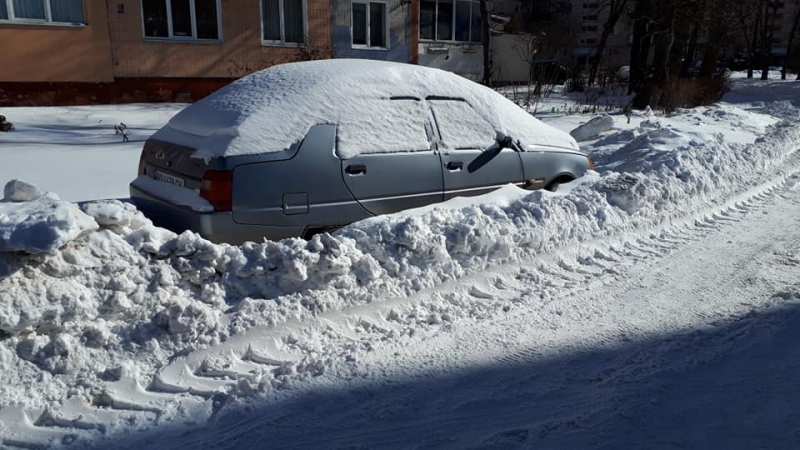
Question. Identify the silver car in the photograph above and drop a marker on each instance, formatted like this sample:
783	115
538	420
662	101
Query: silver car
308	147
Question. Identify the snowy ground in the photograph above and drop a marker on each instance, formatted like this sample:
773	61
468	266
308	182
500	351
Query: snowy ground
652	304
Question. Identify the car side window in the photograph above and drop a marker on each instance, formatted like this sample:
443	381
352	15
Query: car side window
395	125
460	126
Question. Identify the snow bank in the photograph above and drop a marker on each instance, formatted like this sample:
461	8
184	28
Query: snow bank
185	286
593	128
250	115
35	223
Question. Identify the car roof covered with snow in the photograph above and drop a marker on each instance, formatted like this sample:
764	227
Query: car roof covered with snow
379	107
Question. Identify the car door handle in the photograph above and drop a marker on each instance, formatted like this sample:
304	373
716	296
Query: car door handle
454	165
356	169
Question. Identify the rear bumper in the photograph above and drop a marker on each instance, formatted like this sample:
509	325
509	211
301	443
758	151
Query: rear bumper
214	226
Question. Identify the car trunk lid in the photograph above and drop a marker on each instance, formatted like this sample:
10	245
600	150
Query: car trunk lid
172	163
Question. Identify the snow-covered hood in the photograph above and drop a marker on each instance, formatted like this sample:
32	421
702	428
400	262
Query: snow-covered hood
270	110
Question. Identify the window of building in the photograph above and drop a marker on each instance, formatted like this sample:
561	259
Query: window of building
450	20
181	19
589	41
590	17
589	28
369	24
283	21
43	11
591	5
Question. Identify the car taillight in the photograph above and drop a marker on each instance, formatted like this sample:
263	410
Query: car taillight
591	164
142	164
217	188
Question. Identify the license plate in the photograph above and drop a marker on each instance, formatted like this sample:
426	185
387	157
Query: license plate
167	178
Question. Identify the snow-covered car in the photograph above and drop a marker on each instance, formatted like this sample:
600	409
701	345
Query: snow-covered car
305	147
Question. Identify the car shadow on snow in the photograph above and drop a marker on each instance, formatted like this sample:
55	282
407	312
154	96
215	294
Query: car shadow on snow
726	385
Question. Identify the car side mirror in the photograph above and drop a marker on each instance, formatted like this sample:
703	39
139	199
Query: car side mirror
505	142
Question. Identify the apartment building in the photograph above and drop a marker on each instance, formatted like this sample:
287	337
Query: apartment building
84	51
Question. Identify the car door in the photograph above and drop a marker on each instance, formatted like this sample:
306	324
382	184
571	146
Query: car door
387	158
472	162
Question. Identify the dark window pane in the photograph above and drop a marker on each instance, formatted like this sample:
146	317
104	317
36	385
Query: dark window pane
359	24
462	20
29	9
68	11
205	11
477	31
272	20
427	19
377	25
3	10
293	21
155	18
181	18
444	22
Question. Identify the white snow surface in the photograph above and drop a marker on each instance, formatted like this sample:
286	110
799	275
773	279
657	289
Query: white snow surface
593	128
43	224
71	150
273	109
132	335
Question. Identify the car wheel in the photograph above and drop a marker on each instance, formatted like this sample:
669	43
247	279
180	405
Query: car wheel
553	186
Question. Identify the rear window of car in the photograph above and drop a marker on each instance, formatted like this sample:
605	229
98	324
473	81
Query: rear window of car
383	126
460	126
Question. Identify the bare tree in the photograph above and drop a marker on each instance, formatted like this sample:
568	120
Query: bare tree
640	47
528	47
486	38
768	35
790	45
749	18
720	18
615	8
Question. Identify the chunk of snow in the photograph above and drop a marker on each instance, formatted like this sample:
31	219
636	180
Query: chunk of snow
20	191
41	225
593	128
270	110
114	213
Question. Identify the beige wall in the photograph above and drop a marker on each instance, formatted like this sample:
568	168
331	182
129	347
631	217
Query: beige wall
239	53
34	53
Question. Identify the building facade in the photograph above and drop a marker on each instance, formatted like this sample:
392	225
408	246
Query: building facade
384	30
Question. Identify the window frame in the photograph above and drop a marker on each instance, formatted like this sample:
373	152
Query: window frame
282	42
453	25
193	19
440	122
48	14
369	16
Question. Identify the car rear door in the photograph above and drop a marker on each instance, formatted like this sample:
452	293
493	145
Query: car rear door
387	159
472	162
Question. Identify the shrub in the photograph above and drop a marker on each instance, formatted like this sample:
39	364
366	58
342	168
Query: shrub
690	92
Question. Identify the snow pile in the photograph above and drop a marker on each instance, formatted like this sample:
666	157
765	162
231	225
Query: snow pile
250	115
33	223
147	283
593	128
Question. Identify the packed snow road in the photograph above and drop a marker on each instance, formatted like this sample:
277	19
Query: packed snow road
686	338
